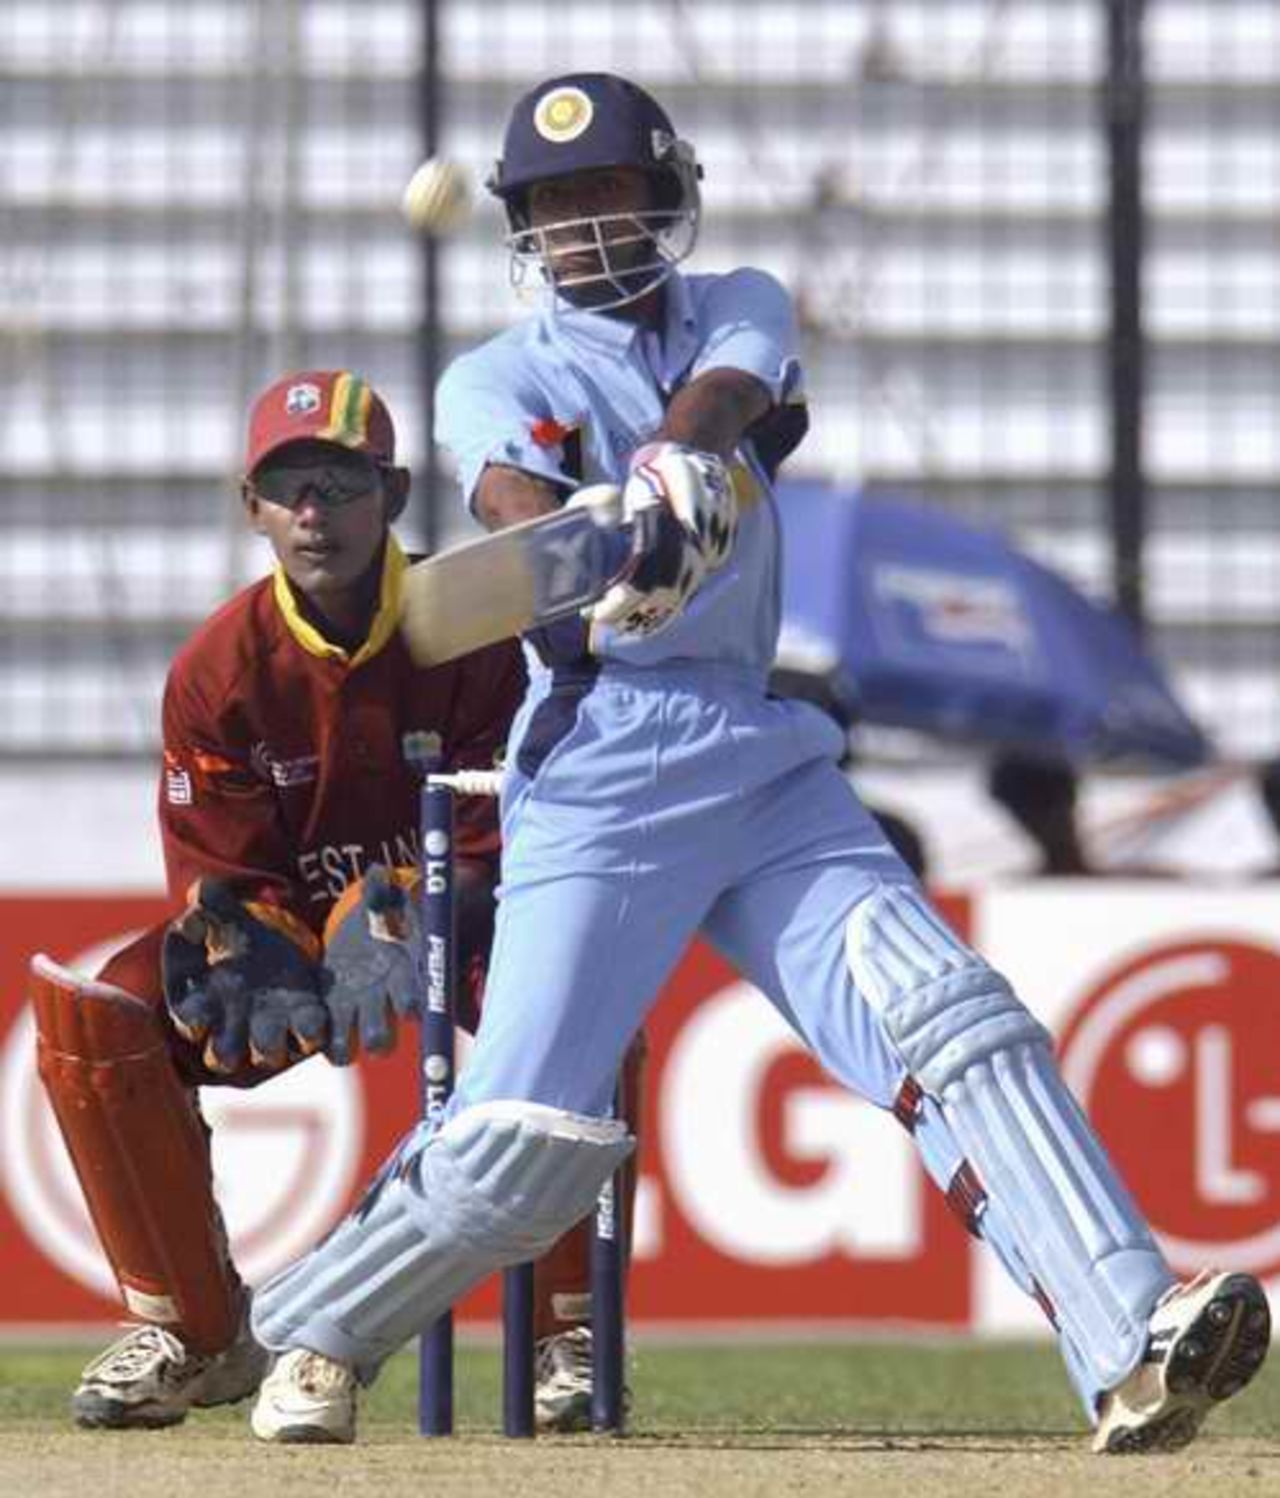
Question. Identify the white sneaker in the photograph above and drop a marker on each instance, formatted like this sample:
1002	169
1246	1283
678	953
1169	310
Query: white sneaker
150	1378
562	1395
1207	1340
306	1397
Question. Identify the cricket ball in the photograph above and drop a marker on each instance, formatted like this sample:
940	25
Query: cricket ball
437	200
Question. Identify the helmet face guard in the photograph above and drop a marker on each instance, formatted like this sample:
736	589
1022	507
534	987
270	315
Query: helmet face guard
588	122
634	252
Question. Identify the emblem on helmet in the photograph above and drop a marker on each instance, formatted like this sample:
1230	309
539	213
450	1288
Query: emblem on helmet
563	115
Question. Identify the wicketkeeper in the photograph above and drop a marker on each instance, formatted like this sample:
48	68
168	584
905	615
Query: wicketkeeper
296	728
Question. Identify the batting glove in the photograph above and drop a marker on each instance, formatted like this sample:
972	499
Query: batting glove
239	979
370	979
685	517
695	486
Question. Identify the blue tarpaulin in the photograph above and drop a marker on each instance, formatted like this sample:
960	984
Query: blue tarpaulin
913	619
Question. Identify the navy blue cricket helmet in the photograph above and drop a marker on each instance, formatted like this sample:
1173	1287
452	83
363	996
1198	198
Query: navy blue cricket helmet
584	122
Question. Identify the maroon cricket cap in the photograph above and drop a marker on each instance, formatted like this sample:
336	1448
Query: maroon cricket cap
323	405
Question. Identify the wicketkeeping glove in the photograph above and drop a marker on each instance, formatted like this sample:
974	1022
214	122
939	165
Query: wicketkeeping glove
238	980
369	979
688	515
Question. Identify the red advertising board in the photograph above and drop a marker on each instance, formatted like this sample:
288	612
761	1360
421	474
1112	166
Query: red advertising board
767	1192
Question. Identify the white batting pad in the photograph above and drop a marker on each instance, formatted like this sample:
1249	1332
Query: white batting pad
497	1185
974	1047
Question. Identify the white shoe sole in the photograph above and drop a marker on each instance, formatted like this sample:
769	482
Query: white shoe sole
305	1435
93	1410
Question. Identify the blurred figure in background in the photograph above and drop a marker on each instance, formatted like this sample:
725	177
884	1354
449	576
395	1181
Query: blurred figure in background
1041	796
1268	783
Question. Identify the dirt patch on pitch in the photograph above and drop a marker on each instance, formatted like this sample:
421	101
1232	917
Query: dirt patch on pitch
37	1464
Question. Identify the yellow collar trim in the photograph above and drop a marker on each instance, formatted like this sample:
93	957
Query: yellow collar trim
385	620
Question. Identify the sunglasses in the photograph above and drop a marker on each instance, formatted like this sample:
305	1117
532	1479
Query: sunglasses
333	481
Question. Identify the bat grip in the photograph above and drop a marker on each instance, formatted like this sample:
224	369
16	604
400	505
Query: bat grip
636	538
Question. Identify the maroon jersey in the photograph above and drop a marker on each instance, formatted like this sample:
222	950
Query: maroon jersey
289	765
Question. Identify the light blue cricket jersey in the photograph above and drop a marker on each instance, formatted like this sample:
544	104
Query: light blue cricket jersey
568	395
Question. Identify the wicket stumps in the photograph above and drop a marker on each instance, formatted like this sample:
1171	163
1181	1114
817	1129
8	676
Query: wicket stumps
436	1345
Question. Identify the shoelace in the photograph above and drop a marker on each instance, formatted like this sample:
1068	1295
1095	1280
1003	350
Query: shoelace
141	1351
568	1353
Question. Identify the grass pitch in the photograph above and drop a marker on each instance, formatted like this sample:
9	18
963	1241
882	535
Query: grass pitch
876	1419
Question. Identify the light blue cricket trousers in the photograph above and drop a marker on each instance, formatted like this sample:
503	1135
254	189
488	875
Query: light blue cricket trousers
675	801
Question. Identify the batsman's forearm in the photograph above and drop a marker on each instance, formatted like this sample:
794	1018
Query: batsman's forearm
712	412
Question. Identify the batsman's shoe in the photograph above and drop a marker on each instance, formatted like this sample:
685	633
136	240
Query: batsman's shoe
562	1393
150	1378
307	1398
1207	1340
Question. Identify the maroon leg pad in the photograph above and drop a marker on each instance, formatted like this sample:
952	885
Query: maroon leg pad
141	1152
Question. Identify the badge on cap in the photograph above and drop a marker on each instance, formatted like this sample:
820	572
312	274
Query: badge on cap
563	115
299	399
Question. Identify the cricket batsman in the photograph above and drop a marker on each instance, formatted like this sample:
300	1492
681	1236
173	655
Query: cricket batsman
656	792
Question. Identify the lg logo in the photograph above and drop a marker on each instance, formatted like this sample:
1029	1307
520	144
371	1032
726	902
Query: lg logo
1174	1056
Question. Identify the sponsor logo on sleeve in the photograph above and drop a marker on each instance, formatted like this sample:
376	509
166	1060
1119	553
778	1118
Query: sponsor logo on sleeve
178	789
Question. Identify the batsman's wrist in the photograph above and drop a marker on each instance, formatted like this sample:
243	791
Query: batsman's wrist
647	452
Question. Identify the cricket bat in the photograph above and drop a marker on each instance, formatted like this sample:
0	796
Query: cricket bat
516	579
